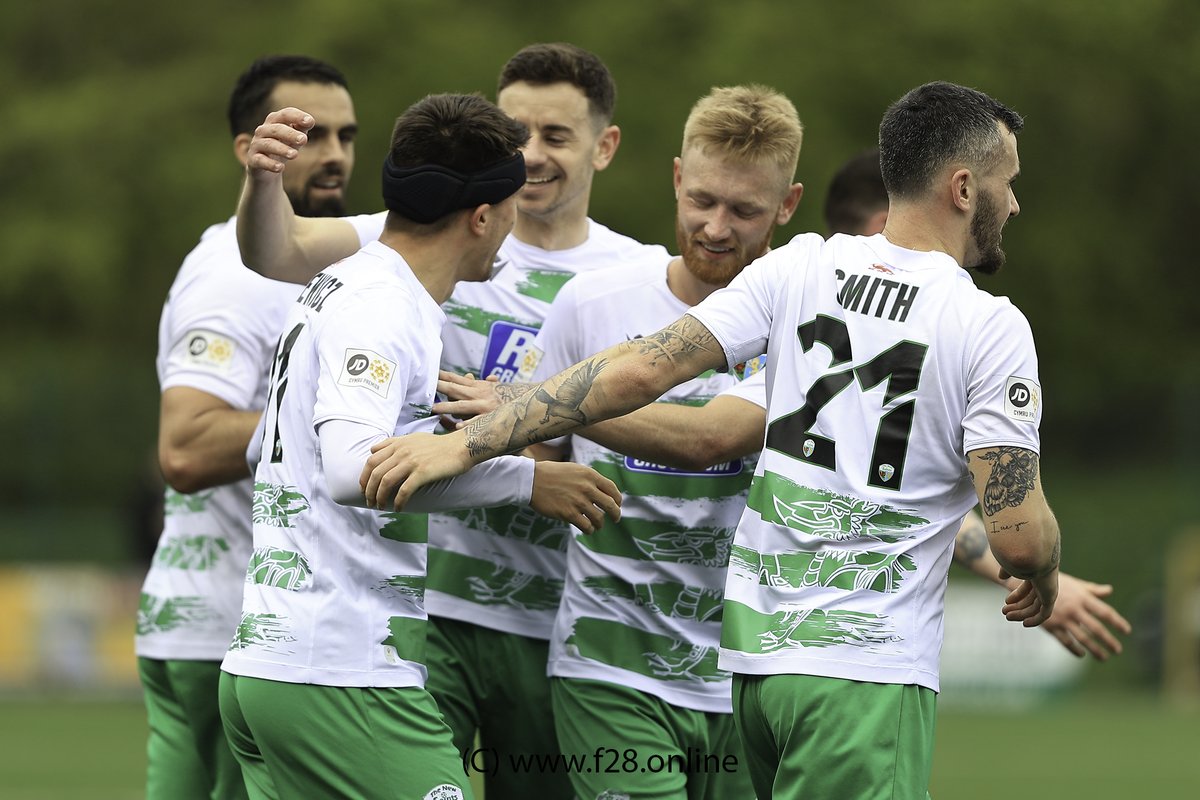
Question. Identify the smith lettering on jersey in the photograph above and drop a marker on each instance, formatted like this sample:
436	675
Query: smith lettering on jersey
875	295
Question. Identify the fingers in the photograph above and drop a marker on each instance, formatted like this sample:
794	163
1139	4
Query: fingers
1066	640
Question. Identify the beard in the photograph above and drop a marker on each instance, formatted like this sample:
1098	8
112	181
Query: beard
305	205
729	266
985	231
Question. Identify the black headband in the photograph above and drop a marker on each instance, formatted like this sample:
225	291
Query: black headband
428	192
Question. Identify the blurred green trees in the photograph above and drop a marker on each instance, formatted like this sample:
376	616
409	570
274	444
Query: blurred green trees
117	155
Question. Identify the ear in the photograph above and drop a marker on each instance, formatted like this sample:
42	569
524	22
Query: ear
241	147
479	219
606	147
678	168
788	206
962	189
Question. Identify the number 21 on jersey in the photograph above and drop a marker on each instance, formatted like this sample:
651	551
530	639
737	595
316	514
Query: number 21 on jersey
900	365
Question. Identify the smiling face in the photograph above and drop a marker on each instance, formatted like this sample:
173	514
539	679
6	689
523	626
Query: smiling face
727	210
566	148
315	181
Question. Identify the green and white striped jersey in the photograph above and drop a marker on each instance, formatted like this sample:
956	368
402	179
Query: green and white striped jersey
642	604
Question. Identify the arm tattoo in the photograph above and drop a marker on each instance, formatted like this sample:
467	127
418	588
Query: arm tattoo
681	339
1014	474
971	542
484	437
507	392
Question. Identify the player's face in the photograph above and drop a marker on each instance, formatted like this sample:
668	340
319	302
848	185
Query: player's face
726	212
996	204
565	148
315	181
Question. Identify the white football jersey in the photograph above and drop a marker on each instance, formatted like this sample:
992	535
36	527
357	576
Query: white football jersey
887	367
216	334
642	602
333	594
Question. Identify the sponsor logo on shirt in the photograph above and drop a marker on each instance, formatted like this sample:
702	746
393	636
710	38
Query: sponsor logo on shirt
750	367
1022	398
367	369
529	364
726	468
447	791
507	345
209	350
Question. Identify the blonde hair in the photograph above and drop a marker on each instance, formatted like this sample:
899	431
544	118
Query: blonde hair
752	123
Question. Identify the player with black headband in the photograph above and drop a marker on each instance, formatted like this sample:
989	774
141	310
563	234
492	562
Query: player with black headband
323	687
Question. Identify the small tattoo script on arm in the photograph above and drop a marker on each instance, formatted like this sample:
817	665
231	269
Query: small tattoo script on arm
1013	476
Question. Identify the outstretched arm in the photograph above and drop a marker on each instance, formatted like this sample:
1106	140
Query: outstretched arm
274	242
1082	621
611	383
686	437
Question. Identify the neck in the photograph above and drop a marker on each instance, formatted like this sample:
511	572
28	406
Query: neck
426	257
686	286
552	233
922	233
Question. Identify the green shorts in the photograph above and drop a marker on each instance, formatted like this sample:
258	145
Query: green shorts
303	741
187	757
807	736
619	742
495	684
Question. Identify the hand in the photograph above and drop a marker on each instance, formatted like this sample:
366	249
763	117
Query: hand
277	141
574	494
467	396
1032	602
400	465
1081	620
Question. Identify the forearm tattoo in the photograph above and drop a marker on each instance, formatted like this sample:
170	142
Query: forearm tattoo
971	542
538	412
513	426
507	392
681	339
1014	474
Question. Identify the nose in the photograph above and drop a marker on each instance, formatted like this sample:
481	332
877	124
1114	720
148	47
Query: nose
534	154
333	150
1015	207
716	224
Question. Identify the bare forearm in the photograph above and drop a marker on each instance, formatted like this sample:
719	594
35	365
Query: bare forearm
611	383
266	230
685	437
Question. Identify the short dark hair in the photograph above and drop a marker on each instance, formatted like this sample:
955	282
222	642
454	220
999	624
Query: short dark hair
462	132
855	194
248	103
560	62
937	124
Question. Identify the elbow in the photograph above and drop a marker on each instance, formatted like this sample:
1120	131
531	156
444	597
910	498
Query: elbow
182	472
1029	558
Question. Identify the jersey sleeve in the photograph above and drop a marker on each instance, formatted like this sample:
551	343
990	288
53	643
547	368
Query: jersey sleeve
1004	397
740	315
366	358
217	339
368	226
753	389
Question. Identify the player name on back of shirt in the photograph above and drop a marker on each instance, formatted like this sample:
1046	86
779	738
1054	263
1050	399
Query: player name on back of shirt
874	295
318	290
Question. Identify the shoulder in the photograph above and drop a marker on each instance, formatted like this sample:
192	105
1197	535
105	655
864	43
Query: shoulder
605	241
613	283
